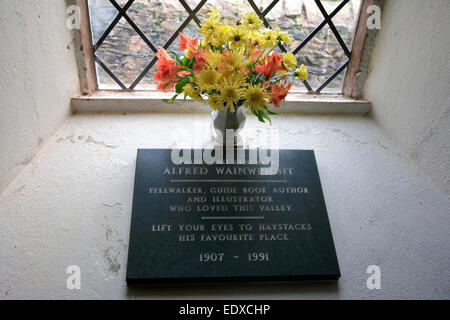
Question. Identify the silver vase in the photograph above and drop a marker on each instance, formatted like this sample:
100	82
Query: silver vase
224	119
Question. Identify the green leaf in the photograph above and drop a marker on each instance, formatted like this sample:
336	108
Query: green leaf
271	112
191	63
174	97
260	117
185	61
173	52
166	84
180	85
265	116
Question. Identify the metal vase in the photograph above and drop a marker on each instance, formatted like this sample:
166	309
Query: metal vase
224	119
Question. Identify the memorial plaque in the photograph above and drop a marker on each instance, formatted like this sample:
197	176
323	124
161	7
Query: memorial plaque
229	222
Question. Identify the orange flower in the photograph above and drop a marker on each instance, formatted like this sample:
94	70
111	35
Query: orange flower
187	42
271	65
165	87
167	67
164	78
165	75
256	54
167	71
200	61
164	59
183	41
189	45
279	92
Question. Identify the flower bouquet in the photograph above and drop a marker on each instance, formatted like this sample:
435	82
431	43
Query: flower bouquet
234	66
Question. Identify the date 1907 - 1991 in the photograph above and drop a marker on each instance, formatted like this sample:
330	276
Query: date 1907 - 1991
219	257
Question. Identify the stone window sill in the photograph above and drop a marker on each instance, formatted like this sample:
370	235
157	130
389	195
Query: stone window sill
154	101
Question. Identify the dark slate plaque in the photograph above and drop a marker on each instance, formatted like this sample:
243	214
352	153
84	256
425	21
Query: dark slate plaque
227	222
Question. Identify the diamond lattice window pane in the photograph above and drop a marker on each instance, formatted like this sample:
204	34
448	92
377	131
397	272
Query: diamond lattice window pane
192	3
158	20
102	14
323	56
345	21
124	53
331	5
127	54
122	3
104	80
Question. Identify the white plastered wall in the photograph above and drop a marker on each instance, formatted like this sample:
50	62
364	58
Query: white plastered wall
409	82
38	76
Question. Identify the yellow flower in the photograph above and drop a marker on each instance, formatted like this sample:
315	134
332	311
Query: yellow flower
221	35
301	73
212	100
237	78
289	60
256	98
216	34
283	73
254	37
268	39
283	36
251	21
213	59
237	36
232	62
207	79
230	94
209	28
214	13
190	91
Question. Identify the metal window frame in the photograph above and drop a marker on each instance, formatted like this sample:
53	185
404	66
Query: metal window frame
356	64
